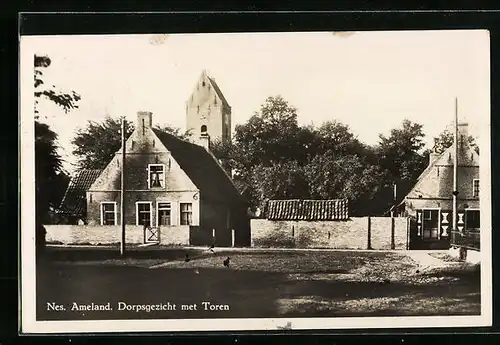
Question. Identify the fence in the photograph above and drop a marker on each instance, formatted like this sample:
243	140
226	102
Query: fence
354	233
111	234
468	239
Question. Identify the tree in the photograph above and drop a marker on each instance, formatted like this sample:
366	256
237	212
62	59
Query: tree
66	100
401	155
50	179
445	140
97	143
186	135
279	181
344	176
269	136
400	152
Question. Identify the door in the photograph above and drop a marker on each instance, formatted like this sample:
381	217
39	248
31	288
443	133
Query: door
430	224
164	214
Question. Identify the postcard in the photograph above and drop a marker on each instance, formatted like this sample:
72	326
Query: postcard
255	181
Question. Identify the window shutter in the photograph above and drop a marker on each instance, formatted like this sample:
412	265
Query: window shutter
196	213
174	213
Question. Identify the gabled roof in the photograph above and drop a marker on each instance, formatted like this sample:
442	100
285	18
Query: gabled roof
218	91
74	200
336	209
201	167
466	155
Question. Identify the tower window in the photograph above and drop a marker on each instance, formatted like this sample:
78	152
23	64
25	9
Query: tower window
203	84
215	100
203	129
198	109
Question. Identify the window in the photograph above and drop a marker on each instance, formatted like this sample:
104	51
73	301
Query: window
164	214
472	219
427	215
204	129
475	188
203	84
143	213
186	213
156	177
108	213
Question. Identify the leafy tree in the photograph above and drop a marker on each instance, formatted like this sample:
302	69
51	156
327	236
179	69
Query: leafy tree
97	143
269	136
341	176
186	135
279	181
50	179
401	154
445	140
66	100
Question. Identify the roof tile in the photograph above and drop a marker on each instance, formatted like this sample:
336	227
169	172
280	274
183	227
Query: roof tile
307	209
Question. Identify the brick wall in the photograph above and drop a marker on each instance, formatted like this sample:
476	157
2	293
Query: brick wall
350	234
83	234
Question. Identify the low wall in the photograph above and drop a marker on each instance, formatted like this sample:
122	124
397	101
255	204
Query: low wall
109	234
350	234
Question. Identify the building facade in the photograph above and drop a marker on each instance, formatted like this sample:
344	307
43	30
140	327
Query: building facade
171	185
430	202
207	111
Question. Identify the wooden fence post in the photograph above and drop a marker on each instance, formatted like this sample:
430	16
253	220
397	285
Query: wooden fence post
393	244
369	246
232	237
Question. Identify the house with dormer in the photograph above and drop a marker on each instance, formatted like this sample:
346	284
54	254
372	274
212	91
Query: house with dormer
170	185
429	204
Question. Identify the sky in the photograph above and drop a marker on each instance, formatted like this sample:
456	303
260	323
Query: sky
369	81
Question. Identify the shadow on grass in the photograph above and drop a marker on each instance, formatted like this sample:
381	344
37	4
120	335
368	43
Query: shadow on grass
248	293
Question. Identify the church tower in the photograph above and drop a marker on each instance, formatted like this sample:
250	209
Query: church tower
208	114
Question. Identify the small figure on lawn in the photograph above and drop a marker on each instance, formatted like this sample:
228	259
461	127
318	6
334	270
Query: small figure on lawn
187	259
211	248
226	262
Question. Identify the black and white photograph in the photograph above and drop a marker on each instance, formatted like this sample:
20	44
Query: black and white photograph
255	181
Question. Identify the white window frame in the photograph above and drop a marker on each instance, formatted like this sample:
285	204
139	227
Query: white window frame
158	212
474	187
439	222
150	212
115	211
180	212
164	175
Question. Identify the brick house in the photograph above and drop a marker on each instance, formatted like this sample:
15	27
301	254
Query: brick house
430	202
172	185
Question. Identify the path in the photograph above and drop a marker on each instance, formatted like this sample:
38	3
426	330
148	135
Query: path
424	260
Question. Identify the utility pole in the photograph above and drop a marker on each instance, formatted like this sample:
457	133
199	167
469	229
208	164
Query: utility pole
393	208
455	163
122	195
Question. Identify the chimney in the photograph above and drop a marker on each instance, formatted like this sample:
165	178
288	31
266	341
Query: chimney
204	140
144	120
463	133
433	155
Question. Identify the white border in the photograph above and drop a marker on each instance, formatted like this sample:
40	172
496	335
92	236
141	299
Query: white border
29	325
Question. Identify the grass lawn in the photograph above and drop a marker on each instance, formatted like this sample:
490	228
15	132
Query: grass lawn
260	283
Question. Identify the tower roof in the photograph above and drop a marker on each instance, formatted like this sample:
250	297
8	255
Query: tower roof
216	88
